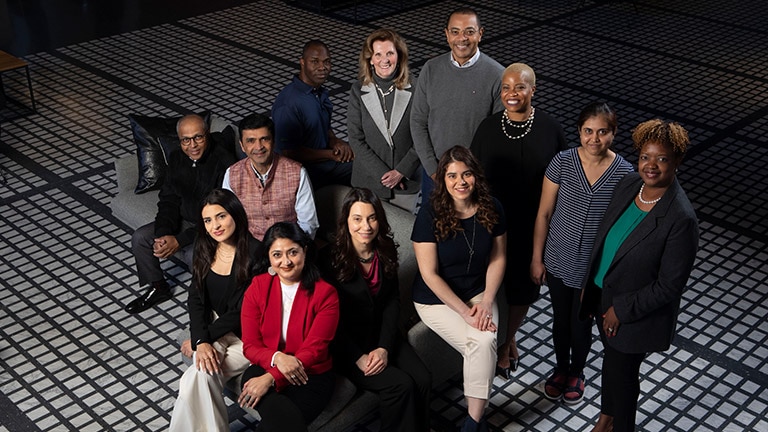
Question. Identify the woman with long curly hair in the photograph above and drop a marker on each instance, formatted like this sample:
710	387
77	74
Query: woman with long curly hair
225	260
369	347
459	240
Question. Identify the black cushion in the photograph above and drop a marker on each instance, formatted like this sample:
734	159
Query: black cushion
155	139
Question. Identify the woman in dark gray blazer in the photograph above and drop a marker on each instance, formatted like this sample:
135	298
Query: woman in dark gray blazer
378	118
643	256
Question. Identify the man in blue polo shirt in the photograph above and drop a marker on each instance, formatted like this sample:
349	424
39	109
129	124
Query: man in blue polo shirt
302	115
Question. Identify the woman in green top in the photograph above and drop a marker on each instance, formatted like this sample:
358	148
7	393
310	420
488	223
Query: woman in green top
643	256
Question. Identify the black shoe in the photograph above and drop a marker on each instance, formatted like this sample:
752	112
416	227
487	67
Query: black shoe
470	425
157	293
506	373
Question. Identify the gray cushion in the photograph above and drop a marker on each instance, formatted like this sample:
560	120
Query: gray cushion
133	209
440	358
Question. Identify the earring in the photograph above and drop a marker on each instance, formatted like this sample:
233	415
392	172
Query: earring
271	271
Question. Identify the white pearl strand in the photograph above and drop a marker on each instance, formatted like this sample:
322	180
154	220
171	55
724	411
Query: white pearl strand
640	196
527	125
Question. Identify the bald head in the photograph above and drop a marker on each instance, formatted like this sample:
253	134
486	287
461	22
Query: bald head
191	121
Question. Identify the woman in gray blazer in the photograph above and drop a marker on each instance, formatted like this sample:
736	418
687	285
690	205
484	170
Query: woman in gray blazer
643	256
378	118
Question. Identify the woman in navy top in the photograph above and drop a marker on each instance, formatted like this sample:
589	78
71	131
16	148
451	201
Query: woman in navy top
575	193
459	240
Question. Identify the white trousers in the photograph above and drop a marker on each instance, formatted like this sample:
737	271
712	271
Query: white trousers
200	406
477	347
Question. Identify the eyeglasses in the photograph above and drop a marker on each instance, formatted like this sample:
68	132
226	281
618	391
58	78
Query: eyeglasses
186	141
468	32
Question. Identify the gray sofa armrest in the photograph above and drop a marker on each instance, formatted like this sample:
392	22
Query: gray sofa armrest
134	210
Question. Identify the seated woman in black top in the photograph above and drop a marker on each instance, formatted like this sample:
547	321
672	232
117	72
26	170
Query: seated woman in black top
460	242
224	262
369	347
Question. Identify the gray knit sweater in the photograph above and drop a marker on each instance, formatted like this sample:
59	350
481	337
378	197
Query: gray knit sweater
450	102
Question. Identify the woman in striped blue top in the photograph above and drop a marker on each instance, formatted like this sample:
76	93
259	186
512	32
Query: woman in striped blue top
577	188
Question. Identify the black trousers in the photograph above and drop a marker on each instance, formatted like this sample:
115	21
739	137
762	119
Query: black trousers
572	337
293	408
621	385
403	387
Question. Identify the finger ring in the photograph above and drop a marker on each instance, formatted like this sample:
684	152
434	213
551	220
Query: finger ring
610	329
293	376
488	316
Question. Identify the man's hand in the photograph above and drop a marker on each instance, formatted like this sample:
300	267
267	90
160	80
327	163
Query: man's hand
342	152
165	246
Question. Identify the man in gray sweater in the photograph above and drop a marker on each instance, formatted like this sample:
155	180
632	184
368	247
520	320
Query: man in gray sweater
454	93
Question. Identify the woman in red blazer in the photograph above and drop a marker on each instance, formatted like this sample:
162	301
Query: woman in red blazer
289	317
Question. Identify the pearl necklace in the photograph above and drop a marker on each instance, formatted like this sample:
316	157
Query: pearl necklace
527	125
640	197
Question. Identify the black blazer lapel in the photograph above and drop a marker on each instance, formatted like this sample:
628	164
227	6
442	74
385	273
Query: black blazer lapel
653	220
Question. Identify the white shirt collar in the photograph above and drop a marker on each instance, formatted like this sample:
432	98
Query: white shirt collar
262	178
469	62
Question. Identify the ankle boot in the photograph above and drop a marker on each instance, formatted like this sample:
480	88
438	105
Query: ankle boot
470	425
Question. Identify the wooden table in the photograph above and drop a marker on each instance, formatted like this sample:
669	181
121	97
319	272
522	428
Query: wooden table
9	63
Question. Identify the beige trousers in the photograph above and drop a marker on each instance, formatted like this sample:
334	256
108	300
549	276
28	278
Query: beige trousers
477	347
200	406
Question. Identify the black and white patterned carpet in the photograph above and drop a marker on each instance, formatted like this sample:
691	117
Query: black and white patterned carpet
72	360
